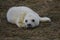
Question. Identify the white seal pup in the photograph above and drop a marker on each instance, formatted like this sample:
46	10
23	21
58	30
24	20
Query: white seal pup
24	17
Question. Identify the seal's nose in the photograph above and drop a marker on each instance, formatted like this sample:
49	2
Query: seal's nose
29	25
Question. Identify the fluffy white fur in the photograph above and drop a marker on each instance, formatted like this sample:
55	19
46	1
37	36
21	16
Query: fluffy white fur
19	15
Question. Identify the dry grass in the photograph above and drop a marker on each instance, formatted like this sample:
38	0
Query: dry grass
45	31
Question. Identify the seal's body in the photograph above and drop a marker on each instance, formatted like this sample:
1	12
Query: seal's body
24	17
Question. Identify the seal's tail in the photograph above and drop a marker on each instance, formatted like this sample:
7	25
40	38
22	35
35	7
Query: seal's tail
43	19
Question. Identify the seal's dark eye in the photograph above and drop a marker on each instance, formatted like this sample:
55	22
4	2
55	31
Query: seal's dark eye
33	20
26	20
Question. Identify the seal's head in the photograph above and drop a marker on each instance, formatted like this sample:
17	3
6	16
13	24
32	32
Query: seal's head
31	21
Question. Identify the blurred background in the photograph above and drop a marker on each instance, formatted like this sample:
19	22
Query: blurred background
45	31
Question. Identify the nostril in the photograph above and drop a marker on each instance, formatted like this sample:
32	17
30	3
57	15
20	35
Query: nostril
29	24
